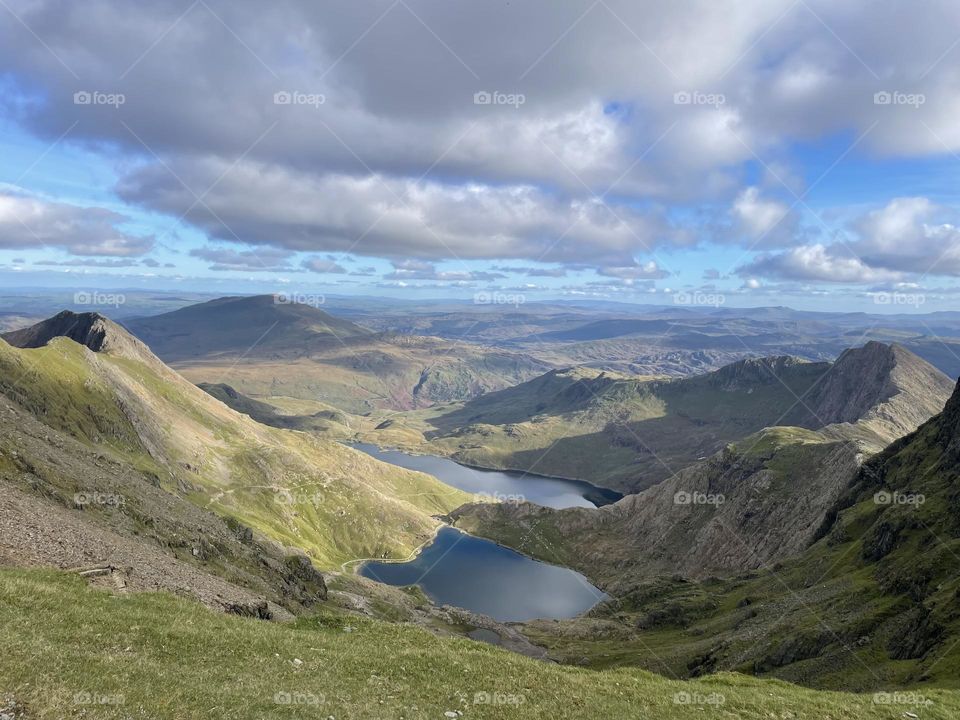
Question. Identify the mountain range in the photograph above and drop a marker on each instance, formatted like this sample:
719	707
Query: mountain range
630	433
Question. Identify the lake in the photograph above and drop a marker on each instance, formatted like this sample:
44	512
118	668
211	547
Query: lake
504	485
479	575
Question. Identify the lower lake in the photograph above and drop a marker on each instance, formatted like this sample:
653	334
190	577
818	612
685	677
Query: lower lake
479	575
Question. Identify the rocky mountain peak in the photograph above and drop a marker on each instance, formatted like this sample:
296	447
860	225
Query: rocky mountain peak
90	329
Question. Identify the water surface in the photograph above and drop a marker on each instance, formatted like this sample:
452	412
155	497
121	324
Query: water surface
505	485
479	575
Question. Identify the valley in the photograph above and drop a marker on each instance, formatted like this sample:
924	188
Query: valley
716	522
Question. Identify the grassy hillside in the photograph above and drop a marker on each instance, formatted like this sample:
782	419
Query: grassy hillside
630	433
300	490
98	655
874	603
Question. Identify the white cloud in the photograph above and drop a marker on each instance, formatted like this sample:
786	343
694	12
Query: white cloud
29	222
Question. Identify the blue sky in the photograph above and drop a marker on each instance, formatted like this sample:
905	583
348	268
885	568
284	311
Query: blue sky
772	153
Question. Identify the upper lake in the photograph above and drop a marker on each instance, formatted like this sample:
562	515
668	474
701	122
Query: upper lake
507	485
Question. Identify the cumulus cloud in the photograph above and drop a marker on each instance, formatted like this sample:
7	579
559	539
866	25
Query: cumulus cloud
28	222
323	265
395	217
908	236
646	271
390	166
225	259
531	271
815	262
762	222
422	270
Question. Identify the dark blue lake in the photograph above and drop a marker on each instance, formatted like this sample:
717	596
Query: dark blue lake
505	485
479	575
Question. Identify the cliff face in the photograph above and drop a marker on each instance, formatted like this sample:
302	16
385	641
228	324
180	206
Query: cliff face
886	388
91	330
759	500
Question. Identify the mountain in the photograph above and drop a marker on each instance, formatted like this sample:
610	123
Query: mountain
758	501
262	325
267	347
872	603
631	433
83	377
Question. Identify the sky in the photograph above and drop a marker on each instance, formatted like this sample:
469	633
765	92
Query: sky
762	152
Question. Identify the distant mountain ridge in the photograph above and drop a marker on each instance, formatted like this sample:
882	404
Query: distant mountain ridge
631	433
271	347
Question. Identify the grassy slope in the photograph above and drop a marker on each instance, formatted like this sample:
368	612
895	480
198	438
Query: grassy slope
625	433
162	657
334	503
875	603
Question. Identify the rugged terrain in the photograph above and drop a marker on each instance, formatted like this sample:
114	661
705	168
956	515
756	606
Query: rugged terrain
266	346
84	377
631	433
872	603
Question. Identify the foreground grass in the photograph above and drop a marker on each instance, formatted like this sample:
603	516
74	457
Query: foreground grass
71	651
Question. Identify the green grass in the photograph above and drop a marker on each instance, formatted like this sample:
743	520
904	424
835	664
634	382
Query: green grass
157	656
335	503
